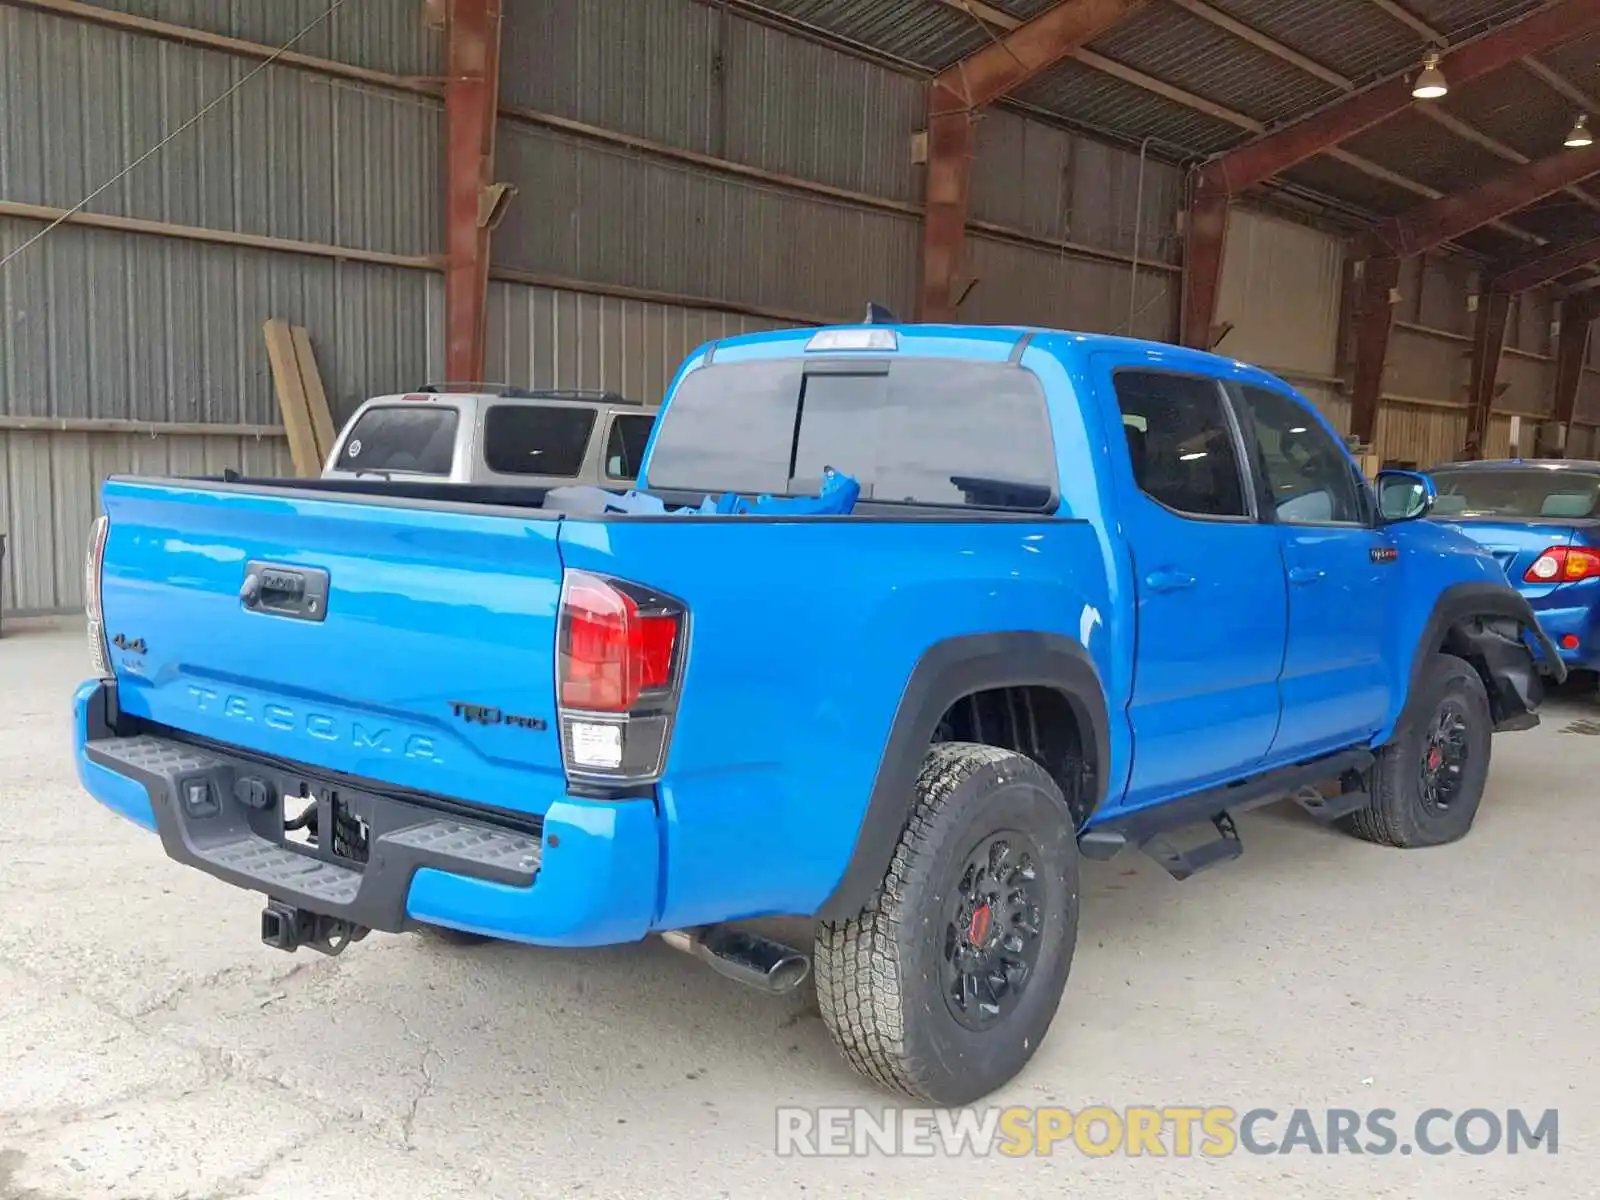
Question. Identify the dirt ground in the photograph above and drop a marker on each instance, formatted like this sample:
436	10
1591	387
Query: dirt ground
150	1046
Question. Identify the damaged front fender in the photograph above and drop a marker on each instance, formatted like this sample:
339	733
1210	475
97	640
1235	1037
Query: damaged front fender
1492	627
1498	647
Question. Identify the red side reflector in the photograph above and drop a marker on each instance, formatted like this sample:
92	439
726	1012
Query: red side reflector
1563	564
1569	641
610	653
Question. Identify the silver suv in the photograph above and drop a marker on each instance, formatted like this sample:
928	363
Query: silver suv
489	433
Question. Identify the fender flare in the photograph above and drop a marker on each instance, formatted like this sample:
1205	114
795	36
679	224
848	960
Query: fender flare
1464	601
947	671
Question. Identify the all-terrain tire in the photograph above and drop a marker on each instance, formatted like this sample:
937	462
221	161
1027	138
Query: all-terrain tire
882	976
1400	812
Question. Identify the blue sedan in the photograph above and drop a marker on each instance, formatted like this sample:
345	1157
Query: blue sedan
1541	519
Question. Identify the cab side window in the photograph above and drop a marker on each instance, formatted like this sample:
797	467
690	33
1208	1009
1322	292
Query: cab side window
1182	445
1309	476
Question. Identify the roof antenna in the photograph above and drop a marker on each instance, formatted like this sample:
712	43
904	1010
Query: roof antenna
877	314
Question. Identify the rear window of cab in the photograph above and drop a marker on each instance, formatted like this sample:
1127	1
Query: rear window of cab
928	431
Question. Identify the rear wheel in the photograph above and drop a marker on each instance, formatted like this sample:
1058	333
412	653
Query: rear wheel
944	985
1428	782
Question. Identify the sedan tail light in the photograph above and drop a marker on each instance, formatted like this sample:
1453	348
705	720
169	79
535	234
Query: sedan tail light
1563	564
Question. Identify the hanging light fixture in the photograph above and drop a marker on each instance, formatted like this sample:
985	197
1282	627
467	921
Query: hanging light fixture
1580	135
1430	84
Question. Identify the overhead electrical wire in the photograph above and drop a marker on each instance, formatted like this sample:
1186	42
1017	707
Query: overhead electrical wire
168	138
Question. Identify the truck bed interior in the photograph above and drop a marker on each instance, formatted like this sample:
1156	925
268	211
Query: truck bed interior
431	492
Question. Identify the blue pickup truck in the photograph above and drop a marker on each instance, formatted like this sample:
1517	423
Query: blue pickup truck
1095	594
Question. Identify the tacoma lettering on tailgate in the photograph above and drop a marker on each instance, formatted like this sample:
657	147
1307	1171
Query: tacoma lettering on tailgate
317	725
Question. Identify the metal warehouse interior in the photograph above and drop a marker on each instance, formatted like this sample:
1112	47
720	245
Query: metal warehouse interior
578	192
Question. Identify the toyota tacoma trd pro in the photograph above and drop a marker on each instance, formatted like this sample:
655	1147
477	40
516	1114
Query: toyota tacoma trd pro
1093	593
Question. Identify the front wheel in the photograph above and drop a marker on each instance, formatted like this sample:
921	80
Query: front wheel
1428	782
944	985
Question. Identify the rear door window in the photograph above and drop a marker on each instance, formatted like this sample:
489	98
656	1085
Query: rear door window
1181	444
414	439
915	431
537	439
625	443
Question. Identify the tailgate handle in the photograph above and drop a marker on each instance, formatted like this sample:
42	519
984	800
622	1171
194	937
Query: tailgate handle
300	593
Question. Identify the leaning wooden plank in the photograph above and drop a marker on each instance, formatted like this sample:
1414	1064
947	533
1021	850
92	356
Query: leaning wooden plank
316	397
292	399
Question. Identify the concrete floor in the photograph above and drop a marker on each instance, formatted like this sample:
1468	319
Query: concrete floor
151	1047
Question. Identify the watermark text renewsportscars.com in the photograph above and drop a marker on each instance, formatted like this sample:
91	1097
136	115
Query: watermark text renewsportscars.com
1169	1131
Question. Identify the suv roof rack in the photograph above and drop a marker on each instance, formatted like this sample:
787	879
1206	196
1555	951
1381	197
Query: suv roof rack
512	392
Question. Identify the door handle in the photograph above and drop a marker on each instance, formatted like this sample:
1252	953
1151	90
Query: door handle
297	592
1305	574
1168	581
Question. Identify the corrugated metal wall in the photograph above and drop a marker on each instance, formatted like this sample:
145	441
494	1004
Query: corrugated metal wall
570	339
104	324
1429	370
1280	289
50	484
618	255
621	250
109	325
1056	214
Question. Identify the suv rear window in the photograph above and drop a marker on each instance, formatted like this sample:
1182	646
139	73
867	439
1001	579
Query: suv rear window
915	431
536	439
416	439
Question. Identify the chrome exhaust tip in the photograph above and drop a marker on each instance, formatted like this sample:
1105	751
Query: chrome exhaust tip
745	957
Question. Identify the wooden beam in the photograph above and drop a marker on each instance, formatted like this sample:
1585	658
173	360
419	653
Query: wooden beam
1205	237
471	102
955	96
1572	348
1544	266
1478	138
1561	85
316	396
1449	217
292	399
1488	343
1374	320
1552	79
1284	148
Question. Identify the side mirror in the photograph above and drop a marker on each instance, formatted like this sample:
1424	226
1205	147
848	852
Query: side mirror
1405	495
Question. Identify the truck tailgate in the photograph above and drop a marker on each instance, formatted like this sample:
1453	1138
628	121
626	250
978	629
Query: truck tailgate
425	662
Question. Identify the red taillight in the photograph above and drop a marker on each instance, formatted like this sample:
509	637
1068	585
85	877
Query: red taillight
1563	564
612	651
93	568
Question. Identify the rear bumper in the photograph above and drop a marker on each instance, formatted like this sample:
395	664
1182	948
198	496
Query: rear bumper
587	874
1575	631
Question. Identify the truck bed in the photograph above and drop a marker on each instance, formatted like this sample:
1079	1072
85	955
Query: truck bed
522	500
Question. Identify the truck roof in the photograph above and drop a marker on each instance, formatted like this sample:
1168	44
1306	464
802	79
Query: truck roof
995	343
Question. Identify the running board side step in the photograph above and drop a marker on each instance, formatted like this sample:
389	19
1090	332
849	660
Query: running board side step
1150	828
